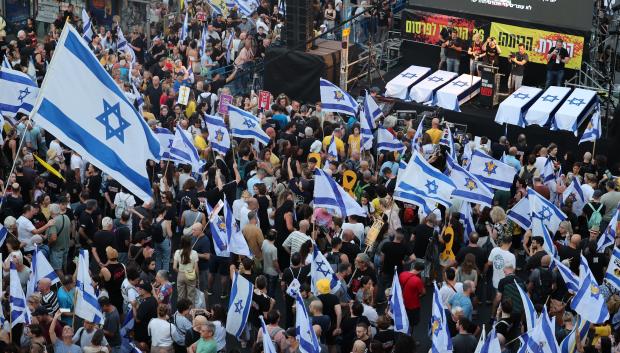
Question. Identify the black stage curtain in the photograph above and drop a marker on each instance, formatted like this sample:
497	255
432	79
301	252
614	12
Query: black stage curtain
294	73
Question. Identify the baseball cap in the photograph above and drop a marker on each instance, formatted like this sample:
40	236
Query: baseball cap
290	332
323	286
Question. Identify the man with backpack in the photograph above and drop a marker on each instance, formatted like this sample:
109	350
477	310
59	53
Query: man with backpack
542	282
594	210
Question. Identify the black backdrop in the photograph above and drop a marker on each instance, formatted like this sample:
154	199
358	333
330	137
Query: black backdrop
294	72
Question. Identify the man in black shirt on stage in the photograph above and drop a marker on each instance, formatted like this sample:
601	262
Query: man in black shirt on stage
557	58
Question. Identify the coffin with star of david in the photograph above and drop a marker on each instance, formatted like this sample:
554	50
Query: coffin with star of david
424	91
399	86
574	110
457	92
513	109
546	106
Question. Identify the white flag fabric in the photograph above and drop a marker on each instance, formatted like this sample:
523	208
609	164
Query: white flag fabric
219	232
448	141
495	174
87	31
512	110
332	148
6	63
246	7
540	112
183	150
81	105
245	125
571	280
569	343
184	26
594	131
481	340
466	220
40	268
579	199
308	342
321	269
334	99
520	213
369	113
239	305
416	141
218	134
441	340
328	194
20	314
528	308
574	110
86	306
607	238
545	211
423	185
268	346
3	231
612	276
491	343
18	92
388	142
542	337
468	187
236	241
547	174
397	306
165	138
589	302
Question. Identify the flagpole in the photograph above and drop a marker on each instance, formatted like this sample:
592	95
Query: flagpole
77	265
19	148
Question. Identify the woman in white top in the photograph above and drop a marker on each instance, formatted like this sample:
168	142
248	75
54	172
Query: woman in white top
186	264
161	330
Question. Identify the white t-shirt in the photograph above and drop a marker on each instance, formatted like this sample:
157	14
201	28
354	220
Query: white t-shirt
24	232
78	162
588	191
540	163
446	292
500	258
160	332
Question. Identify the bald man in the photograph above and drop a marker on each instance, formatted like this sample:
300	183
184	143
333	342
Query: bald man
251	205
297	238
571	252
435	131
49	300
542	281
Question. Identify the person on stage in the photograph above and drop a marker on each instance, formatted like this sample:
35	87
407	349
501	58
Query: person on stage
453	48
518	61
445	36
492	52
475	54
557	58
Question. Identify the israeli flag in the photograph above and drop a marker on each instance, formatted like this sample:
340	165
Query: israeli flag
332	148
523	341
246	7
229	47
466	220
493	173
40	269
543	109
216	9
467	153
183	150
86	306
139	100
388	142
569	343
268	346
612	276
239	305
87	31
334	99
542	337
448	141
491	343
321	269
123	45
576	193
308	342
571	280
165	138
397	306
3	231
589	302
512	110
328	194
6	63
416	141
245	125
468	187
20	314
219	232
184	27
218	134
18	92
594	131
574	110
282	7
128	324
481	340
520	213
607	238
544	211
528	307
84	108
440	334
369	113
422	184
236	241
547	174
203	40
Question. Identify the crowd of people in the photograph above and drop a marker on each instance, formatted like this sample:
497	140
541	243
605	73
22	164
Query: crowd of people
155	261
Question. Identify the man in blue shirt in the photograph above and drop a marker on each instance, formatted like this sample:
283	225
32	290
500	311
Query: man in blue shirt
463	299
512	160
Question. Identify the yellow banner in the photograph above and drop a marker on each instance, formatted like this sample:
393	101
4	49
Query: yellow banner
537	43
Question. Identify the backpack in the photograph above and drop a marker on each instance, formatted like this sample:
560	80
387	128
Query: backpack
121	207
596	217
207	99
157	233
543	286
334	260
528	175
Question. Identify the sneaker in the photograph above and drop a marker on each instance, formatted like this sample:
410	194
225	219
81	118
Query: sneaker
209	293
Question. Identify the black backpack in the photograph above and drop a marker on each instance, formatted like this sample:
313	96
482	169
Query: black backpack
543	287
528	175
157	233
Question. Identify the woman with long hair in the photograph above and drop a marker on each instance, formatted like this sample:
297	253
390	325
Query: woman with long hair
284	225
467	271
185	262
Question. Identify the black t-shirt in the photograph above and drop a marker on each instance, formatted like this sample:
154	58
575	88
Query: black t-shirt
393	255
112	188
478	253
122	238
492	56
534	260
139	42
87	223
351	250
519	70
383	17
146	311
101	240
556	63
301	273
423	234
329	306
566	252
454	53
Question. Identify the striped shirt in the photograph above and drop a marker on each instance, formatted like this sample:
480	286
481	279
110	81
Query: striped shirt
295	240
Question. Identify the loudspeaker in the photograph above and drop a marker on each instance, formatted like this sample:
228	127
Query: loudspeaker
298	26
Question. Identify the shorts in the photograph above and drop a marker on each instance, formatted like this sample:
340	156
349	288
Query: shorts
219	265
58	258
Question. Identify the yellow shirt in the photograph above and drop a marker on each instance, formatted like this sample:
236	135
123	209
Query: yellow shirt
435	135
339	144
190	109
200	143
377	207
354	143
148	116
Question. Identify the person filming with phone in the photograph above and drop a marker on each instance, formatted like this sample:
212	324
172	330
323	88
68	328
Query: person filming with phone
453	47
557	58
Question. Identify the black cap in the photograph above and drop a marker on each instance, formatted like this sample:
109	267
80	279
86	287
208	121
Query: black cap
290	332
146	286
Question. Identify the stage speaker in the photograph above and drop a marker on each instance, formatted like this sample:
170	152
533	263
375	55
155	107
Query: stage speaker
298	27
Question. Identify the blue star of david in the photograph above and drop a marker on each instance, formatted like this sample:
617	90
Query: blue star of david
490	168
520	95
460	83
249	123
545	214
320	268
219	135
432	187
576	101
550	98
338	96
470	183
23	94
104	119
408	75
435	79
239	306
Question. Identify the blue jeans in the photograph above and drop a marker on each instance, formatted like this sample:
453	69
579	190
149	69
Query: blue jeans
453	65
554	78
162	255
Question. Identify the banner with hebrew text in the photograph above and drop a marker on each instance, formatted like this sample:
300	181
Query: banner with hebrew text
425	27
537	43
